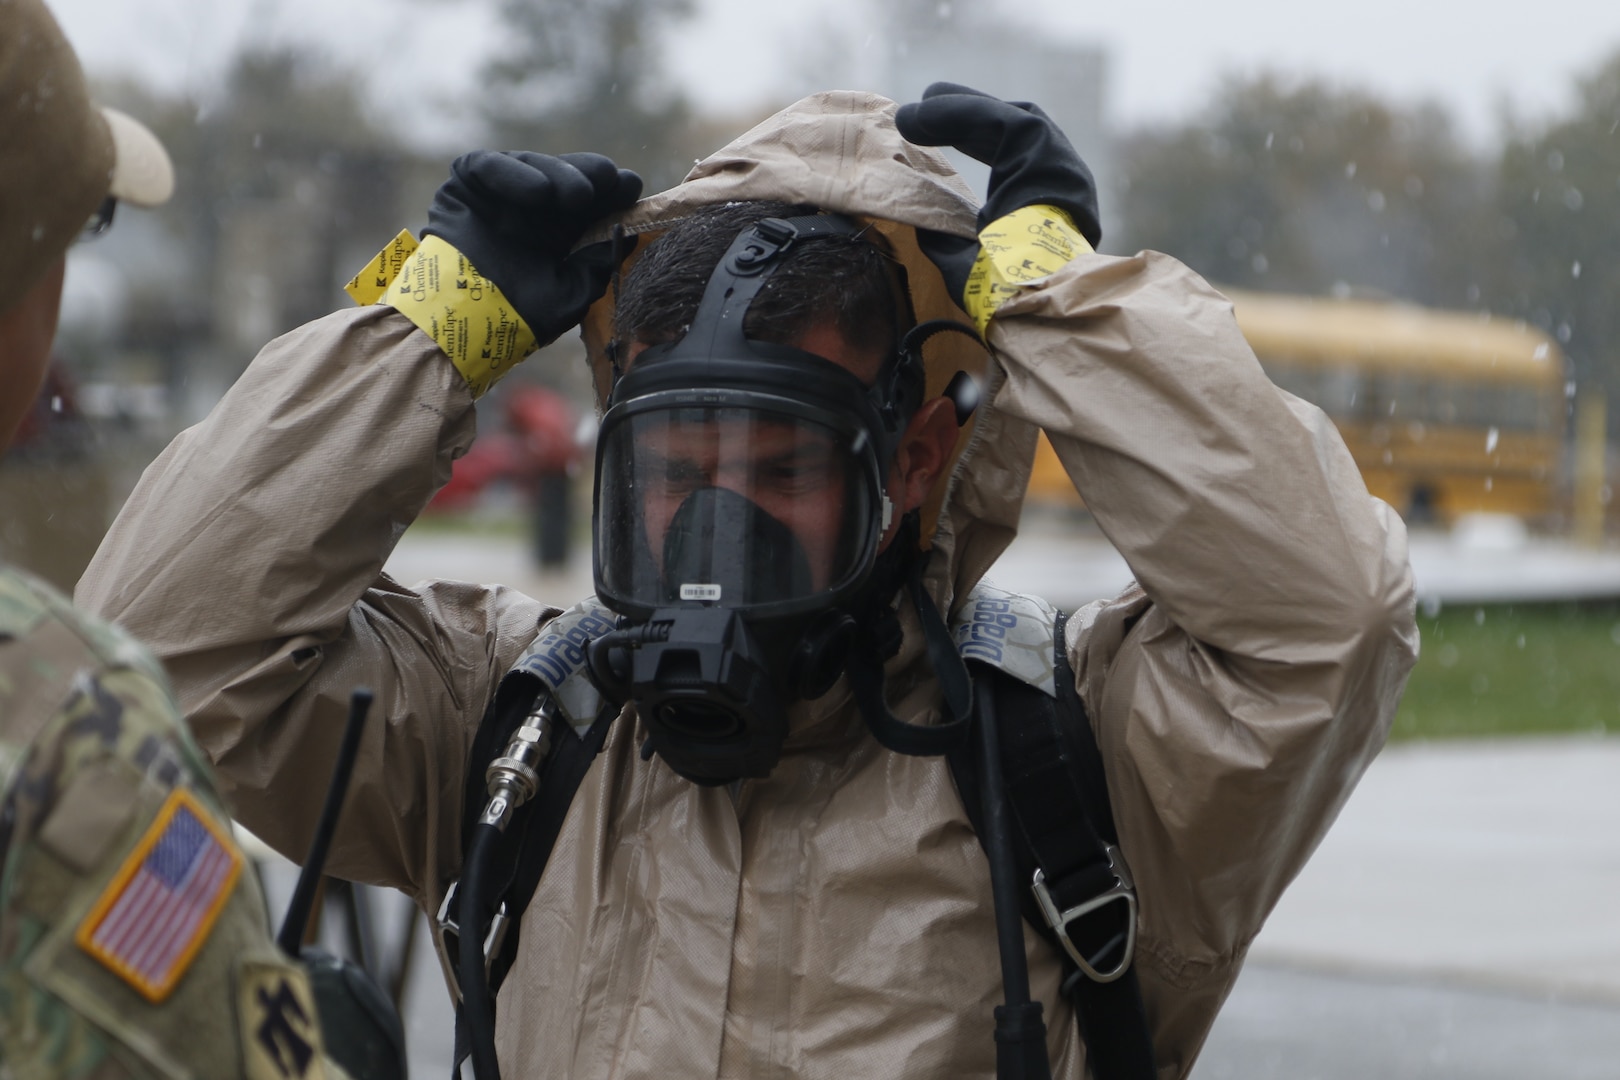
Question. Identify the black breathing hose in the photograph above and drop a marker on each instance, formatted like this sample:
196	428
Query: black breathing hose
1020	1030
998	848
477	1002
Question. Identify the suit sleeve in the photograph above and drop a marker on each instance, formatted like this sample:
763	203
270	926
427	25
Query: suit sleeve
249	558
1240	689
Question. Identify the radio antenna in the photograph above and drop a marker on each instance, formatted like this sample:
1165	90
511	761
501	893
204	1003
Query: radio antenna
291	937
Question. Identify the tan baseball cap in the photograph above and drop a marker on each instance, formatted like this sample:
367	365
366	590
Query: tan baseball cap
60	154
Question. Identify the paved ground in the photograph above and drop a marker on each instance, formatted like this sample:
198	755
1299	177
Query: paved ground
1492	864
1462	920
1283	1024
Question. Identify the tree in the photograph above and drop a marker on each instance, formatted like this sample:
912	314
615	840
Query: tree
576	76
1559	202
1307	188
284	186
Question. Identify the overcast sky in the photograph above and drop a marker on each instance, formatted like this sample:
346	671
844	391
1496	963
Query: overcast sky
1473	56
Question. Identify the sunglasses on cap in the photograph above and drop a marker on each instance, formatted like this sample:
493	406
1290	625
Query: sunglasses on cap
100	221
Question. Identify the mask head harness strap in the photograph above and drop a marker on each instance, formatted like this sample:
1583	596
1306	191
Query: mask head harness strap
715	350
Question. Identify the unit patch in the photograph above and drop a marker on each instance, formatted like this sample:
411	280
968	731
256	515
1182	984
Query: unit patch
281	1037
158	909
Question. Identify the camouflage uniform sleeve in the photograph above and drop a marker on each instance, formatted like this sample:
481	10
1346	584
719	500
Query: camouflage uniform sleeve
134	940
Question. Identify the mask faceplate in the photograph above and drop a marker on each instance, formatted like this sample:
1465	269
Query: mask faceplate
747	505
739	507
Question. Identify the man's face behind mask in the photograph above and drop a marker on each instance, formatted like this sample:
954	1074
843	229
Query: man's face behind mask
730	505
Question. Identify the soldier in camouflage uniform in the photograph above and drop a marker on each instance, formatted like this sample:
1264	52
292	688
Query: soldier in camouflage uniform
134	940
99	777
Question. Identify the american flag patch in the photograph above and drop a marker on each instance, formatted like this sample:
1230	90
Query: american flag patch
157	911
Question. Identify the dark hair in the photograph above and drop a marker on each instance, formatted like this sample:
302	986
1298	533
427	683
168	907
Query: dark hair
848	281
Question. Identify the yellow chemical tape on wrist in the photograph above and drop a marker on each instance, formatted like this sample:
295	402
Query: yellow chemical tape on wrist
464	312
368	286
1016	250
155	914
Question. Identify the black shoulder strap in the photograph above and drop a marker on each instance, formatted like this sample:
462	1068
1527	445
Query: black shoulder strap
564	771
1066	846
526	848
552	665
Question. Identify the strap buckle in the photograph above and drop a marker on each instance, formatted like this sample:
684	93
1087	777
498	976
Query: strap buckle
449	934
1122	891
765	241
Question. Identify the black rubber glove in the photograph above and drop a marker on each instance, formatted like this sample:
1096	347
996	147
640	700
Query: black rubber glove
515	215
1031	162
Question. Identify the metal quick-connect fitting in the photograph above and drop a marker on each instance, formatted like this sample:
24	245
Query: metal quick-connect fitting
514	777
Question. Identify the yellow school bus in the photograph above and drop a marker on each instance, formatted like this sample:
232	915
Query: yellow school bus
1446	413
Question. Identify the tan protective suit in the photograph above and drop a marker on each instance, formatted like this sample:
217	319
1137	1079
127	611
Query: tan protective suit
834	919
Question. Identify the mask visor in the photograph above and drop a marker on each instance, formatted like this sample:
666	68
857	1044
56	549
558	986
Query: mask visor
741	507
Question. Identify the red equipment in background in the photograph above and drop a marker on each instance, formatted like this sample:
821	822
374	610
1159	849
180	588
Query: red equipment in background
536	451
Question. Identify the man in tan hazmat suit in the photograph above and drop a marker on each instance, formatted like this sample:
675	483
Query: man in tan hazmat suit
831	917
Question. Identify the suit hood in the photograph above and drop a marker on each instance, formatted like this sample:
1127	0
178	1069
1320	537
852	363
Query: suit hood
840	151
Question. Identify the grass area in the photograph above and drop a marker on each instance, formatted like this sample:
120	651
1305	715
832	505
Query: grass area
1514	670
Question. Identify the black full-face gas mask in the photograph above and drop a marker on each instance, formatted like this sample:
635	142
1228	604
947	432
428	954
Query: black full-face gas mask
739	507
